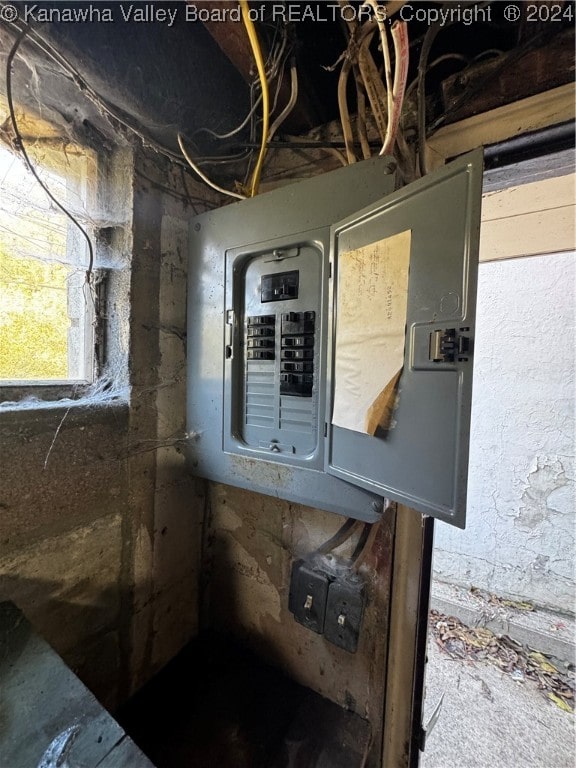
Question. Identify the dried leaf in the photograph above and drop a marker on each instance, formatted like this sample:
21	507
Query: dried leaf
560	702
480	644
542	662
519	606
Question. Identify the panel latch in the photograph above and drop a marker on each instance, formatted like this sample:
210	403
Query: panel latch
449	345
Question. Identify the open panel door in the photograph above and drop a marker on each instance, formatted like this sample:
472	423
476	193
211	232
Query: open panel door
419	452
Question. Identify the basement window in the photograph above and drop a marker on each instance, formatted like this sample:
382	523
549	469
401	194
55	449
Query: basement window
47	310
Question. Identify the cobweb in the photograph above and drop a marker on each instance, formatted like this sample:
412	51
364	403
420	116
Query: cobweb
48	272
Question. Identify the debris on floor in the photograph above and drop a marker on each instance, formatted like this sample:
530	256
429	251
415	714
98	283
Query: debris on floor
517	605
521	662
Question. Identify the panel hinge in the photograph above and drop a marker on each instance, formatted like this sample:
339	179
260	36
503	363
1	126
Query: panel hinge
426	730
450	345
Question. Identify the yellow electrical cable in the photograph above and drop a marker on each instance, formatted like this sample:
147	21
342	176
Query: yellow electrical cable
256	50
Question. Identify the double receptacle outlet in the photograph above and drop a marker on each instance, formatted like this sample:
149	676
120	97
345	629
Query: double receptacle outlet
328	600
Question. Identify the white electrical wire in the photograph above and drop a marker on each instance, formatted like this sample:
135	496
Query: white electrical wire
236	130
203	176
401	61
344	112
273	65
379	15
291	102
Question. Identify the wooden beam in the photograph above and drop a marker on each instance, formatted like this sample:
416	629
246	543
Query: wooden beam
230	35
509	77
544	109
408	633
232	38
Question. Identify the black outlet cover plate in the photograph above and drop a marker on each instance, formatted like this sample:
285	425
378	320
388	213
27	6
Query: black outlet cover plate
308	583
345	599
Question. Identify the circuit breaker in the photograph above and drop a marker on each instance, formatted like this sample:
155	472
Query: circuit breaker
330	340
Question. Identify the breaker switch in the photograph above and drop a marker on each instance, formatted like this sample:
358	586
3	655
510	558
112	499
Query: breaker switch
298	367
298	322
297	354
280	286
285	291
297	346
261	343
260	354
262	320
261	337
261	331
298	341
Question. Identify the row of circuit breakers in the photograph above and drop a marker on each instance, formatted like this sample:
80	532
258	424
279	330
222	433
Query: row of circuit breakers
294	345
262	317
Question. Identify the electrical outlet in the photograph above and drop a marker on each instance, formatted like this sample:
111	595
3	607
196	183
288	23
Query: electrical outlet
308	595
344	610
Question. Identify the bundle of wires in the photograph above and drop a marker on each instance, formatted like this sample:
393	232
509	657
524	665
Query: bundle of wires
272	70
386	101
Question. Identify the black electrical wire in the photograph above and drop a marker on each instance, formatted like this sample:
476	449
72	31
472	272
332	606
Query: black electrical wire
20	146
421	93
187	197
359	548
178	195
312	144
341	535
440	60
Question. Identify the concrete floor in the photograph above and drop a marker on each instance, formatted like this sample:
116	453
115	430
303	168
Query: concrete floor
489	720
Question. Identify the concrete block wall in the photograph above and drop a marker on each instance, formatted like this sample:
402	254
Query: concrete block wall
100	529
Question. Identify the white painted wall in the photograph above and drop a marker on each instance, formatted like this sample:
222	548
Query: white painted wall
520	536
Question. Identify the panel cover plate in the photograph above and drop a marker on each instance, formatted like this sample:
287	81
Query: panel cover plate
422	460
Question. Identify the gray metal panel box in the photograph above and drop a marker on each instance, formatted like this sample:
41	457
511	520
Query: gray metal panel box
261	314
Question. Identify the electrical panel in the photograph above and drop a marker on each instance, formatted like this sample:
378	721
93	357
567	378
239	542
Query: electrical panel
270	391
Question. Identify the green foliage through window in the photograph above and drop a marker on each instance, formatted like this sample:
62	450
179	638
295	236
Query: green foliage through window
42	317
33	319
